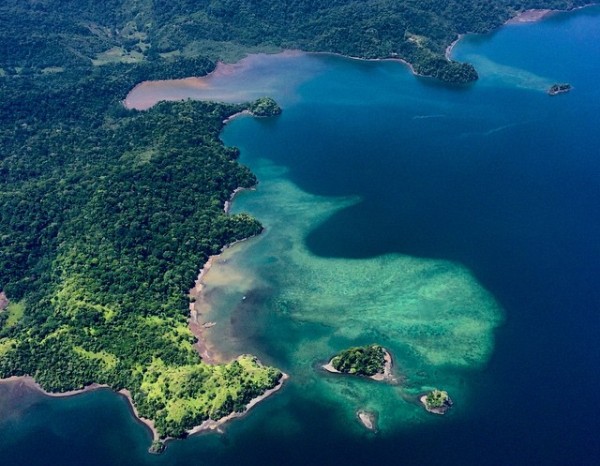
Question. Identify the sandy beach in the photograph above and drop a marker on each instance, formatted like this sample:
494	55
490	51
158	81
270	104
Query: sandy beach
529	16
440	411
209	354
449	49
387	369
367	419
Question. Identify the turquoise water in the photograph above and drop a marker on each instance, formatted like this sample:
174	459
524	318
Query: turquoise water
457	227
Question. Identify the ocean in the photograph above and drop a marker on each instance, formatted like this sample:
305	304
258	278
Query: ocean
456	226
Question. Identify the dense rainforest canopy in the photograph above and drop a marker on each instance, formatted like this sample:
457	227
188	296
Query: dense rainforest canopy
360	360
106	214
43	32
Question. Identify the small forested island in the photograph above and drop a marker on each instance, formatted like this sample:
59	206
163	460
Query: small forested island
372	361
437	401
264	107
559	88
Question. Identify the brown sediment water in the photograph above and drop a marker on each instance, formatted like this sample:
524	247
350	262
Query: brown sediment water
248	79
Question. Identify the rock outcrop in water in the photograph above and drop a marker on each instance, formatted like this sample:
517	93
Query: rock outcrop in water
437	401
559	88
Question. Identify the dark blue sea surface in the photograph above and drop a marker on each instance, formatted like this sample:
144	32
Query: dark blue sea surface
497	177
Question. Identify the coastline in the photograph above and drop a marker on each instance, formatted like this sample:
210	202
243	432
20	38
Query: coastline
387	369
208	425
449	49
439	411
225	121
211	424
223	69
524	17
197	330
209	354
531	16
368	419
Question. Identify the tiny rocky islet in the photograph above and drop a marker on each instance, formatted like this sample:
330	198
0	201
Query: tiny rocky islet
436	401
375	362
559	88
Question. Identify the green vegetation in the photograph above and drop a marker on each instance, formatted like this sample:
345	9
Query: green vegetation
437	401
360	360
14	313
42	34
265	107
106	214
436	398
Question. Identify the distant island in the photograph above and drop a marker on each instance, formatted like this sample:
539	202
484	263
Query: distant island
372	361
264	107
559	88
437	401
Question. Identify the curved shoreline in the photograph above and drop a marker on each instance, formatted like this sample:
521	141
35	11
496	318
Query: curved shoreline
195	293
206	426
197	330
523	17
222	68
211	424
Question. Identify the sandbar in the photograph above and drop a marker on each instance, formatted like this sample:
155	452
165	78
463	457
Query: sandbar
367	418
530	16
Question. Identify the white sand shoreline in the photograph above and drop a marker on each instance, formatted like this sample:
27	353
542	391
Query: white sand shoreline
198	329
30	382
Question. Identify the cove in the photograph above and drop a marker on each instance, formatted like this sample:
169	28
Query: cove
456	227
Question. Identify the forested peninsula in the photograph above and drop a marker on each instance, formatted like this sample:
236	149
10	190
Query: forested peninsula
107	214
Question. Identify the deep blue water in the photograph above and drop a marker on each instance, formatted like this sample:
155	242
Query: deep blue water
497	176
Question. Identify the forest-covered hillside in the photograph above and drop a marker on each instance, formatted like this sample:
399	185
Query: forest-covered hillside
43	32
106	214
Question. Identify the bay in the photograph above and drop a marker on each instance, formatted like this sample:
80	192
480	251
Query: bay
458	227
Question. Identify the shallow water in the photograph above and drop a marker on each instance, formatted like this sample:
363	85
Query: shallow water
457	227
